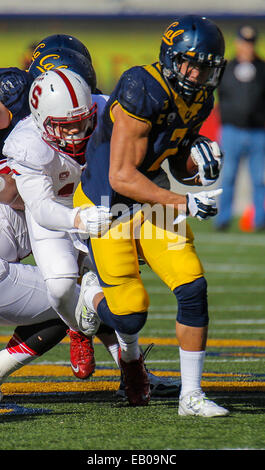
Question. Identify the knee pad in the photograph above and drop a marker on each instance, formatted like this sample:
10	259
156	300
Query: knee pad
60	290
193	303
129	324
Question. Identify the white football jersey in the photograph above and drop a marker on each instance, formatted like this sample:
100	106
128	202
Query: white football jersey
46	179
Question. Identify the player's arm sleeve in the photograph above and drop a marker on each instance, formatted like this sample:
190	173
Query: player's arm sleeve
38	195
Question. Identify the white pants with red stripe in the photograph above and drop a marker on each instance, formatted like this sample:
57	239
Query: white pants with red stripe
56	256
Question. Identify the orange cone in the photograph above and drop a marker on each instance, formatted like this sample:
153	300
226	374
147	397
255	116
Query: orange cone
246	221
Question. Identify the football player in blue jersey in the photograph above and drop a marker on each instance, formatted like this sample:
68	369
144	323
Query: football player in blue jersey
57	51
155	113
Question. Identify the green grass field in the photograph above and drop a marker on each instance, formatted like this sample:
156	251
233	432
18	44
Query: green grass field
46	408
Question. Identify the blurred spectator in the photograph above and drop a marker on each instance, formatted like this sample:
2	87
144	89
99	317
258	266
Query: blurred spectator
242	109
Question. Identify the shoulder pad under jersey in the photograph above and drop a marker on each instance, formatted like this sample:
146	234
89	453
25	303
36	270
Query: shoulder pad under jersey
14	85
26	149
140	94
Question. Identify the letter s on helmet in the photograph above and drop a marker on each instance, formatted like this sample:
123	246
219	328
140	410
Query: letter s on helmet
59	99
200	43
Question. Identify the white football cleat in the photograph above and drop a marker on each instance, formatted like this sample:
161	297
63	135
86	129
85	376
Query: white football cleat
85	313
197	404
163	386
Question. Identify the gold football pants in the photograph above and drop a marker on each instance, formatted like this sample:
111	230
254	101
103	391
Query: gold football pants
169	253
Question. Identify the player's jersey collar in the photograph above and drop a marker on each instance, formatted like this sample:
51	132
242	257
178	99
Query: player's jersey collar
184	109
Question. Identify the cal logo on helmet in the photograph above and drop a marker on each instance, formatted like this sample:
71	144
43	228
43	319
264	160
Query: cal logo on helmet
171	33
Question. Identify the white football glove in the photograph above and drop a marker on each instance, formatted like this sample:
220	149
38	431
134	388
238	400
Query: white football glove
202	205
94	220
208	156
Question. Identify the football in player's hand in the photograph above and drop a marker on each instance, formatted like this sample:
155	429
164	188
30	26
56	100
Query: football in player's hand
182	166
191	167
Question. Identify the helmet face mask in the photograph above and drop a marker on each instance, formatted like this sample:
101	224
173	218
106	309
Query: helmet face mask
61	106
70	134
192	57
192	76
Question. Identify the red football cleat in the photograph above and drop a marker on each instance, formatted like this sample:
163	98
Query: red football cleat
81	354
137	386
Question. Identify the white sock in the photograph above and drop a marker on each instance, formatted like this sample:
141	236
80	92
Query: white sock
191	367
9	363
130	350
89	297
114	351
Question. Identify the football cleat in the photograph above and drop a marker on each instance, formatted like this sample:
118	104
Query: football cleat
159	386
137	387
87	318
81	354
197	404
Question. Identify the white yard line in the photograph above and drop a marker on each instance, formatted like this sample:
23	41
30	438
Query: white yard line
215	290
212	331
217	308
230	239
245	321
234	268
217	268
